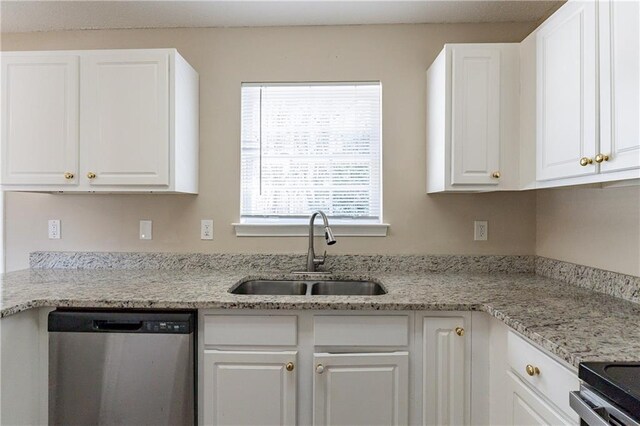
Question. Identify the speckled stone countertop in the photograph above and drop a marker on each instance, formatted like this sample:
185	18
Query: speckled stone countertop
575	323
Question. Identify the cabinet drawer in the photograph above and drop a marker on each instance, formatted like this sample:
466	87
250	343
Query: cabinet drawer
361	330
554	380
267	330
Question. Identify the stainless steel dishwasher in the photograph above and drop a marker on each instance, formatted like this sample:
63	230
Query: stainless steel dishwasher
121	368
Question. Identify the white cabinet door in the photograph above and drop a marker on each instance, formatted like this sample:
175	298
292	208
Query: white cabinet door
444	375
125	118
528	409
40	119
475	117
619	84
566	92
353	389
249	388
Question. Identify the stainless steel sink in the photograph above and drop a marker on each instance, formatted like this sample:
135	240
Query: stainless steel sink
347	288
309	288
271	287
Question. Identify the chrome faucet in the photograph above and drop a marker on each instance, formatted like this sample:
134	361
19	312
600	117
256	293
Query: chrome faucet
312	261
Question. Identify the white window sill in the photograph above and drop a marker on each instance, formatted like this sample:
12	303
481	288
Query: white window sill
302	230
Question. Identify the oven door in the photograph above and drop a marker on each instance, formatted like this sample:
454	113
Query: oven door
596	410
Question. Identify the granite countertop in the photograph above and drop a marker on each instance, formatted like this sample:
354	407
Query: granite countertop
574	323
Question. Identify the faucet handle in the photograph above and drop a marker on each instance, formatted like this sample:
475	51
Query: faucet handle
320	260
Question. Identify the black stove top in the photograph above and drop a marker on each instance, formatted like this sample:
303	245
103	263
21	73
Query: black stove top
618	381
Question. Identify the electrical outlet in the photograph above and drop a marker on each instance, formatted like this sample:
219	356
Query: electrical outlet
480	230
54	229
146	230
206	229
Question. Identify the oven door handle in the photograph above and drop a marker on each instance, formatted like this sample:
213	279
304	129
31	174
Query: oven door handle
585	411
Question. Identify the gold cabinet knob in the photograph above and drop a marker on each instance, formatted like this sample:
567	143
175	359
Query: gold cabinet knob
531	370
601	157
289	366
68	175
585	161
495	175
91	175
460	331
319	368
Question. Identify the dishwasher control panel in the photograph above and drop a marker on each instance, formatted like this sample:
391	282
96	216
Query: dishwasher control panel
166	326
148	322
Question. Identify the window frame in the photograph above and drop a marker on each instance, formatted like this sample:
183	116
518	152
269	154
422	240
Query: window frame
299	226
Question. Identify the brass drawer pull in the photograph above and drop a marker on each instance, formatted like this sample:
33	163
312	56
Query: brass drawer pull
531	370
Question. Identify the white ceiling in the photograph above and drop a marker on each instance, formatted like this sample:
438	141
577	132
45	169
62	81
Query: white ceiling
24	16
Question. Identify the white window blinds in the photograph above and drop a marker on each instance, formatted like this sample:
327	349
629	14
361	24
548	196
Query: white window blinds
311	146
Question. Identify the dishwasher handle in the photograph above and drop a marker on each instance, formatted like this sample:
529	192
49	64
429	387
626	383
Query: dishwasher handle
107	325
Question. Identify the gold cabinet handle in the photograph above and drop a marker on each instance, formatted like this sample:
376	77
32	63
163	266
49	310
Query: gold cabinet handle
601	157
289	366
68	175
319	368
460	331
91	175
585	161
495	175
531	370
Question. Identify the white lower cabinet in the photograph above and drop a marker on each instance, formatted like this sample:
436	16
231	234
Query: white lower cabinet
320	368
249	388
352	389
527	408
324	368
444	374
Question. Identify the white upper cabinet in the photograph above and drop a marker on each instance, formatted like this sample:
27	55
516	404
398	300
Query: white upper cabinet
472	118
99	121
566	92
475	118
40	119
125	118
619	23
587	96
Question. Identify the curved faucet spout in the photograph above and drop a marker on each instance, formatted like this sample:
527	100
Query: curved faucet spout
312	261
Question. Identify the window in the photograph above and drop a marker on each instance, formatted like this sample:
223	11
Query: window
311	146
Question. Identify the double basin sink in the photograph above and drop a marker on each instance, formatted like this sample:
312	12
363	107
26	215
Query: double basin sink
309	288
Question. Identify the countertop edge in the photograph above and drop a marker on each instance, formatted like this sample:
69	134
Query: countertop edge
513	324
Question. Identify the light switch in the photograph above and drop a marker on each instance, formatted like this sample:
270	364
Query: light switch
146	230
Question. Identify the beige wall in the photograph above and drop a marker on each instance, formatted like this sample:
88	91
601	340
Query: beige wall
397	55
591	226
